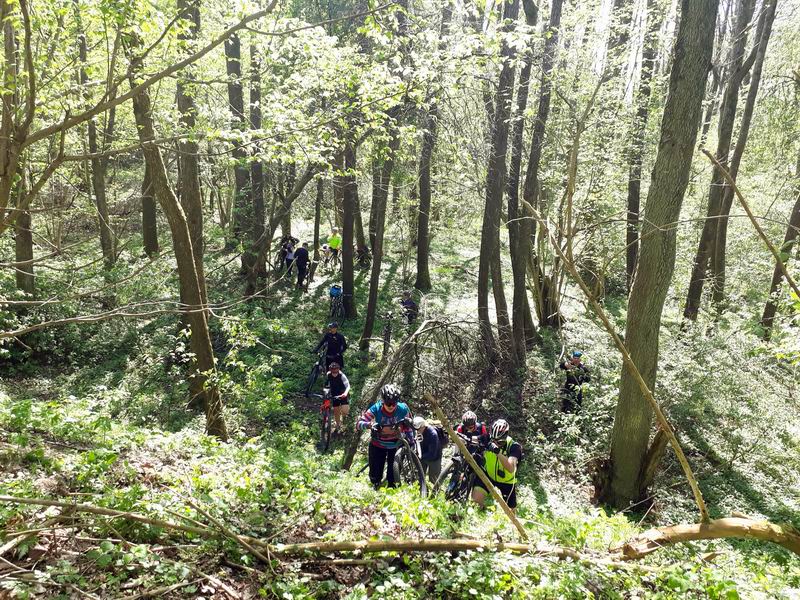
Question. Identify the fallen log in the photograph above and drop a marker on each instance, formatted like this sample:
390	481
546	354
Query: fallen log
731	527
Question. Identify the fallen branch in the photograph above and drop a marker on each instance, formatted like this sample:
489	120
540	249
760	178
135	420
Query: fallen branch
732	527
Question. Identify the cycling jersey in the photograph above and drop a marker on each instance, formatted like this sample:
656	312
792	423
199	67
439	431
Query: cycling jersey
479	435
335	342
338	385
494	468
335	241
377	414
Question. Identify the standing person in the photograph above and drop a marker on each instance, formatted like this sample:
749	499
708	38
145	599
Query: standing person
335	243
577	375
431	449
302	259
387	419
339	386
290	246
335	345
501	458
410	308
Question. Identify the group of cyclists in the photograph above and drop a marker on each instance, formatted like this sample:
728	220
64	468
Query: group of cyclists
292	254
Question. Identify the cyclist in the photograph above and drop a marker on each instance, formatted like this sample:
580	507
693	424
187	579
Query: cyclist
577	375
410	309
472	429
501	458
388	420
431	449
335	242
339	386
335	345
287	242
302	260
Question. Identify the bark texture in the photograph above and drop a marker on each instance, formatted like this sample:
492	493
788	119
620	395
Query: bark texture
241	201
348	226
149	216
670	176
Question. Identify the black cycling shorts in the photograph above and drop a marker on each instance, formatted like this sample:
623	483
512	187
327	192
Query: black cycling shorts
340	402
507	490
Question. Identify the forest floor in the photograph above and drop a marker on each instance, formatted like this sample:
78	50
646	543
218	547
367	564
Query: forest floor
106	424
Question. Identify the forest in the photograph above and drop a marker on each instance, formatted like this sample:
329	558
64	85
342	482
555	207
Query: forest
402	299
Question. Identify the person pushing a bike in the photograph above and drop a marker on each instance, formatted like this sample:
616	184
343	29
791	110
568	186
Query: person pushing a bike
335	346
577	375
431	449
501	458
339	387
387	420
471	429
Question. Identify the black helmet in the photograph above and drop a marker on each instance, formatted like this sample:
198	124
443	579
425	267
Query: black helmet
469	419
333	325
390	394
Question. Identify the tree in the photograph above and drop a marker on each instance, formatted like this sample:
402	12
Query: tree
545	294
737	70
653	20
691	60
189	282
719	246
256	166
149	216
348	221
495	186
789	241
23	246
241	203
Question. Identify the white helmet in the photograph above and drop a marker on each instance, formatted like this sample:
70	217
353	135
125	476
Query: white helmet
499	429
419	422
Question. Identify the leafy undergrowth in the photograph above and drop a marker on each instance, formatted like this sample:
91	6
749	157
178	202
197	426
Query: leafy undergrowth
277	487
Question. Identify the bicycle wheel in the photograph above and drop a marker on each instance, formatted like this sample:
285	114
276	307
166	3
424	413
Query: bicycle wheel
338	310
442	483
312	377
325	419
408	470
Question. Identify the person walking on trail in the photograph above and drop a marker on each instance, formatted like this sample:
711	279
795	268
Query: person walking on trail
577	375
387	420
301	259
431	449
335	242
473	430
335	345
339	387
288	244
410	308
290	252
501	459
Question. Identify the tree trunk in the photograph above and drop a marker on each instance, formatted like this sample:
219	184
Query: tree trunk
318	215
149	216
348	218
187	274
549	316
519	228
383	169
189	170
726	122
256	167
423	280
241	203
358	223
717	76
720	242
23	246
288	179
789	240
489	262
670	176
373	210
653	21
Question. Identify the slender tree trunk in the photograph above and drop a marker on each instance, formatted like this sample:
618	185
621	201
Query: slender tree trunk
549	316
241	202
495	185
23	246
189	169
789	240
290	173
373	210
717	75
519	227
318	215
423	279
679	128
149	216
726	123
189	281
339	182
380	199
256	167
653	22
720	242
358	223
349	206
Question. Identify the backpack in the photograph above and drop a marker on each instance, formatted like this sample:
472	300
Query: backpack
444	439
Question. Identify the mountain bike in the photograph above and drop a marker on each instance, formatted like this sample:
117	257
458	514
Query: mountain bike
336	312
458	478
317	370
325	418
407	464
332	259
363	258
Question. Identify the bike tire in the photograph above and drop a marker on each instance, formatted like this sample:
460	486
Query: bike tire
326	416
312	378
443	479
408	468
